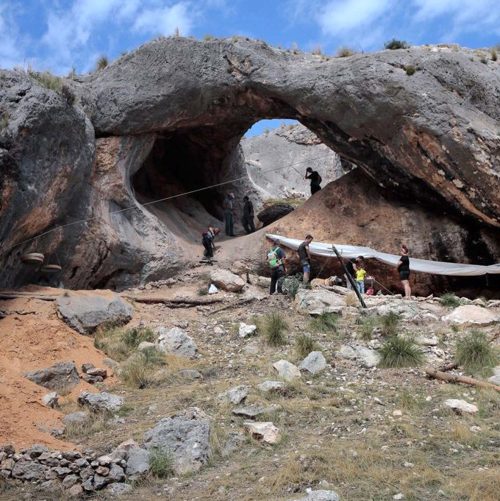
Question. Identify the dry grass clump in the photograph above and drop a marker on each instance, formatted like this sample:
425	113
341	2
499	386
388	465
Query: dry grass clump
395	44
96	423
47	80
345	52
326	322
119	343
400	352
273	328
366	325
139	370
475	354
389	324
102	62
304	344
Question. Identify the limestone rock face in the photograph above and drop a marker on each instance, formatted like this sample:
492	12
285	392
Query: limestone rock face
168	117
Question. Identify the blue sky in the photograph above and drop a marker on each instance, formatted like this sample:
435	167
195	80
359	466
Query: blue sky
58	35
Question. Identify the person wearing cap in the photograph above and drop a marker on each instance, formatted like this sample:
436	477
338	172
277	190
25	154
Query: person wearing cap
228	206
305	257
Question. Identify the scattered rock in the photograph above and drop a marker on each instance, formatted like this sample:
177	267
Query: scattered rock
471	314
60	376
319	301
79	417
233	443
176	342
265	431
246	330
314	362
460	406
226	280
186	436
254	411
51	400
85	313
235	395
75	491
368	358
101	402
287	370
272	387
320	495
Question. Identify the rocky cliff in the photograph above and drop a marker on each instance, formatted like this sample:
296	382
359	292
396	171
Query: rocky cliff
168	118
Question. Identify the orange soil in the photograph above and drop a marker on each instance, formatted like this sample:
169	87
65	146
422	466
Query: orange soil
36	338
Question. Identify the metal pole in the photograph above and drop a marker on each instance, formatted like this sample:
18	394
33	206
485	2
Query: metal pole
349	277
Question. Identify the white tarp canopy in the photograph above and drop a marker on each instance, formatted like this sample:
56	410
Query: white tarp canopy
421	265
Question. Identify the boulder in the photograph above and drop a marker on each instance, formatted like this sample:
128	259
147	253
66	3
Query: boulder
235	395
176	342
368	358
60	376
287	370
246	330
264	431
186	436
85	313
101	402
319	301
137	462
273	213
460	406
314	362
471	314
227	281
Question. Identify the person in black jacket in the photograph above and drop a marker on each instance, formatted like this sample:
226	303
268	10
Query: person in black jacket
404	270
315	178
248	215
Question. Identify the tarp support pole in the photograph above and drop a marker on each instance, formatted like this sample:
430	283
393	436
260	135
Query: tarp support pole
349	277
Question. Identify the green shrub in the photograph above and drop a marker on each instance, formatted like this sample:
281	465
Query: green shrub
135	336
475	354
160	463
136	372
345	52
274	326
366	326
389	323
304	344
450	300
410	70
396	44
326	322
400	352
494	55
102	62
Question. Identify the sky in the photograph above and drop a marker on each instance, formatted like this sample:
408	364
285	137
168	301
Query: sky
59	35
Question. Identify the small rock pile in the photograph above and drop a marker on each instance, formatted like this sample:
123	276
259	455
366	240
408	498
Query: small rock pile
71	471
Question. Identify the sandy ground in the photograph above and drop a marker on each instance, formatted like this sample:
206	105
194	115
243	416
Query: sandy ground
34	338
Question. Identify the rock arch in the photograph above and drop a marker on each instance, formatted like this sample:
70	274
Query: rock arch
431	138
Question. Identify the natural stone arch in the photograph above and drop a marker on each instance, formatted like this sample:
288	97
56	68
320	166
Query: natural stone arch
431	137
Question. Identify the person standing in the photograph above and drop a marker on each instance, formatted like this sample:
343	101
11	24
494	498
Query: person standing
315	178
404	270
276	259
228	206
248	215
305	257
360	274
208	241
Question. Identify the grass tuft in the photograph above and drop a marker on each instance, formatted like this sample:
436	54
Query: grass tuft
450	300
138	370
102	62
475	354
400	352
410	70
326	322
274	326
396	44
345	52
389	324
304	344
119	343
366	325
160	463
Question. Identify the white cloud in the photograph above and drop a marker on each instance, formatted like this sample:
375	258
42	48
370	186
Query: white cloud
338	17
10	42
165	20
464	16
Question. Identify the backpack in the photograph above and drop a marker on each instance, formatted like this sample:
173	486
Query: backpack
273	259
